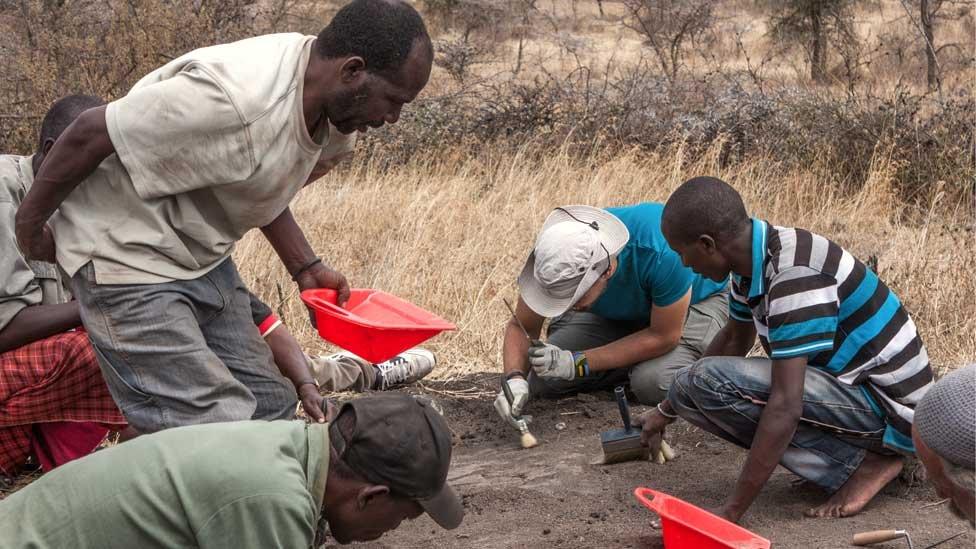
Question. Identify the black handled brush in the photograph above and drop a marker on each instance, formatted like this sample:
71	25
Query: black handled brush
623	444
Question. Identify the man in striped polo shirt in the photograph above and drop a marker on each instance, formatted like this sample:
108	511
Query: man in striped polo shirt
835	400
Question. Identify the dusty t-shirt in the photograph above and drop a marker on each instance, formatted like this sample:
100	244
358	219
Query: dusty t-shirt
209	146
22	282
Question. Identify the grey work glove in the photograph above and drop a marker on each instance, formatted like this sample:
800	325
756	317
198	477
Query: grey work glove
552	362
520	396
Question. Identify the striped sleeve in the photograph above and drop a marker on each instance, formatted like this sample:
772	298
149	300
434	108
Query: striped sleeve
803	309
738	306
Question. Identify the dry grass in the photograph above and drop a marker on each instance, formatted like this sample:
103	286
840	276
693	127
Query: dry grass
449	232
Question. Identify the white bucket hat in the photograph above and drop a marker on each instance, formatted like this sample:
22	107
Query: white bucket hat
570	255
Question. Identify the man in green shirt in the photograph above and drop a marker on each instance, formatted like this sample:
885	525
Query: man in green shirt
247	484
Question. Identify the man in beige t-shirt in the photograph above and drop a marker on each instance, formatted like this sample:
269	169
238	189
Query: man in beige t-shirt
153	191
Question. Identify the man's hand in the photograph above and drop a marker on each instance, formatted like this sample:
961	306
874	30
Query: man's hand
552	362
652	425
36	244
312	402
323	276
520	396
728	513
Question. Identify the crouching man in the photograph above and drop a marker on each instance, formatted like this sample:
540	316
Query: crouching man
835	400
624	308
248	484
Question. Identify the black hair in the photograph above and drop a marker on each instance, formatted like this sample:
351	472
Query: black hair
62	113
382	32
704	205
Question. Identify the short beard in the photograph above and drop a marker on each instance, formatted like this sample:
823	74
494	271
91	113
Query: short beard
348	103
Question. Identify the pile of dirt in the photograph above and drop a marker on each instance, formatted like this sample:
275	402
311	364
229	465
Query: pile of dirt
550	495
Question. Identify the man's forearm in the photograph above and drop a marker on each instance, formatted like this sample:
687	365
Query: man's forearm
288	356
775	430
732	340
777	424
627	351
514	350
76	154
37	322
288	241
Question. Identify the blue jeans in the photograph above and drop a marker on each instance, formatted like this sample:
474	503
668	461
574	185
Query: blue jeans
726	395
182	352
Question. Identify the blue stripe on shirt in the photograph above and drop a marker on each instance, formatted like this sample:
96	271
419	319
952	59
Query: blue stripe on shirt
859	296
824	324
894	439
739	311
802	350
864	334
741	318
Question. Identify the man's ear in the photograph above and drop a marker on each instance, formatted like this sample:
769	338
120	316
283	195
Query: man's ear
368	492
707	243
46	147
352	70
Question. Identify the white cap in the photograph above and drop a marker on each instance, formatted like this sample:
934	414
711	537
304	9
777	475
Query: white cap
570	255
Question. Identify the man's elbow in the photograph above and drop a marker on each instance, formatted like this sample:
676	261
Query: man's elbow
670	340
90	131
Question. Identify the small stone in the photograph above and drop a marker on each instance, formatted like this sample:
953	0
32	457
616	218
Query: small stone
560	426
546	532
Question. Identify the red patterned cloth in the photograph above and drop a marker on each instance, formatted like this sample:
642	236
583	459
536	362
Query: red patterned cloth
53	380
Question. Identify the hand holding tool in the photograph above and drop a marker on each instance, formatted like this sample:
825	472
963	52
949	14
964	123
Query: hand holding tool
552	362
512	399
623	444
507	403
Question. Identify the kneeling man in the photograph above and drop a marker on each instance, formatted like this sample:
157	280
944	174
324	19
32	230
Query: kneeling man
624	308
835	400
248	484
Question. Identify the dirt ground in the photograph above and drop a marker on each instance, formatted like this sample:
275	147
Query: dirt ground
549	496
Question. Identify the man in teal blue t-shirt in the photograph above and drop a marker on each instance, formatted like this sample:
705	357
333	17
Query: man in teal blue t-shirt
624	308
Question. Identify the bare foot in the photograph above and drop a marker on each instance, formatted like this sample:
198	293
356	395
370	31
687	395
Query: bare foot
874	473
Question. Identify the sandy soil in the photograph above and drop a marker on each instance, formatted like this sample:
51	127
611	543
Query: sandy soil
550	496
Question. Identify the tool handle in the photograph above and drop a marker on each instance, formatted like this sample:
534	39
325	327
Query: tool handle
621	396
515	316
877	536
509	397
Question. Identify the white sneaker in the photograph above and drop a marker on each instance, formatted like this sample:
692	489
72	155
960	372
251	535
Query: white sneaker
407	367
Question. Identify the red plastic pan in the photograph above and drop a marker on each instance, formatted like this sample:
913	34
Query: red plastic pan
373	324
684	526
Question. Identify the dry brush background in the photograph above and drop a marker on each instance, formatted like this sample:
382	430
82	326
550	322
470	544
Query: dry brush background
450	231
537	103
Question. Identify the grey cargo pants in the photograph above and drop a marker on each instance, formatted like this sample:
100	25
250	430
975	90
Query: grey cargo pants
650	379
182	352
